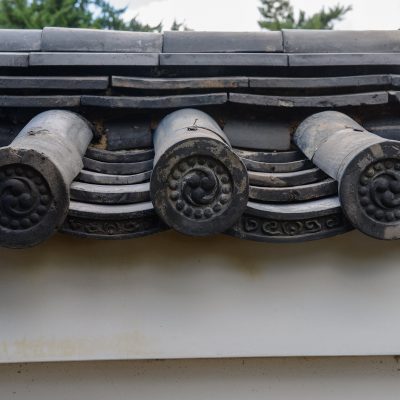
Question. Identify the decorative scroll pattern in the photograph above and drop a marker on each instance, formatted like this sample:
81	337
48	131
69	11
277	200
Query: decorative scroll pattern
265	229
379	190
101	228
25	197
200	187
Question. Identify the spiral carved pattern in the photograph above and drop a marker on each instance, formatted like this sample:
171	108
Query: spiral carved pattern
200	187
25	197
379	191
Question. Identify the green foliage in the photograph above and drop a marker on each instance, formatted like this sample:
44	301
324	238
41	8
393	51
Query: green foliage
179	26
36	14
279	14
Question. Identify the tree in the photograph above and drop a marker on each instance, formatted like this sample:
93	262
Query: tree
279	14
36	14
179	26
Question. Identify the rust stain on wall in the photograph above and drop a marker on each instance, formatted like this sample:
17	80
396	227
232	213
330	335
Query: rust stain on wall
122	345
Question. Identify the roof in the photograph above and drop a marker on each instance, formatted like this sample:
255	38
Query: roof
256	89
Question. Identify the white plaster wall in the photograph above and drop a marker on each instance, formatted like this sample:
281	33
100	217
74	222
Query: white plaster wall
172	296
336	378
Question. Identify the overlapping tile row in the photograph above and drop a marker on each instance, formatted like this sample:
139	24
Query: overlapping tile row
228	108
290	199
110	198
85	47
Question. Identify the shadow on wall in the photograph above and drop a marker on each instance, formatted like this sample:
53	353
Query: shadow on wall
351	252
171	295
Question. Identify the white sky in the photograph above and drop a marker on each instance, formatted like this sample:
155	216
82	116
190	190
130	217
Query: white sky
242	15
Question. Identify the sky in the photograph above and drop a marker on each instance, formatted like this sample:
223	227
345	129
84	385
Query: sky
242	15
